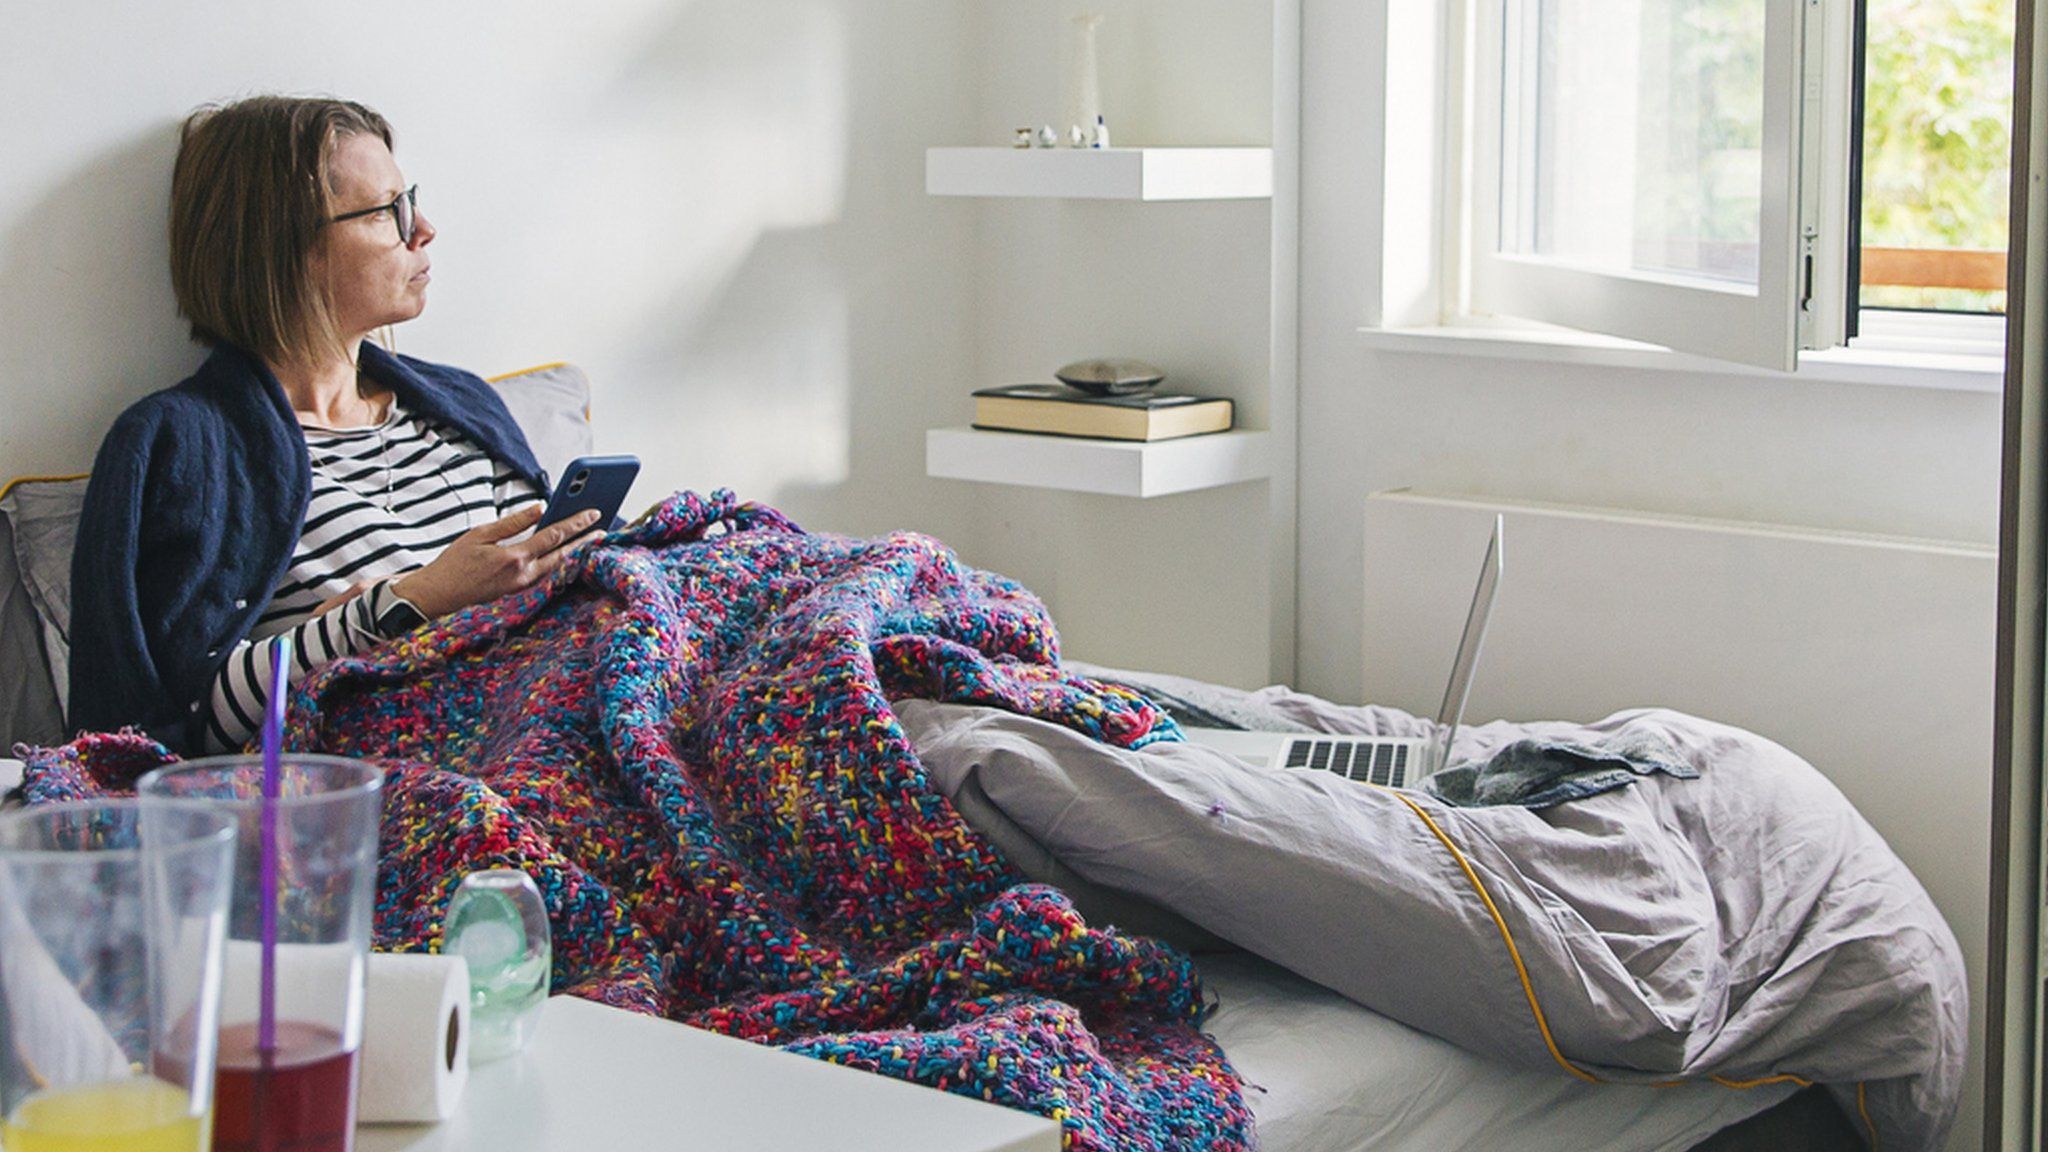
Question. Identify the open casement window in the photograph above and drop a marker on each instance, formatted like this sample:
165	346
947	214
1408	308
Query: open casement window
1636	171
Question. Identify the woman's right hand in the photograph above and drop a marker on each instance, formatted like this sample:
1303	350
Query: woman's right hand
479	566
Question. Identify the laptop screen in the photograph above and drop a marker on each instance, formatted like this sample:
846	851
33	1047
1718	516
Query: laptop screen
1453	710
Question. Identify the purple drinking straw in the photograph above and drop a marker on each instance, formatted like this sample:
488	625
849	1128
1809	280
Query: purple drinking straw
273	741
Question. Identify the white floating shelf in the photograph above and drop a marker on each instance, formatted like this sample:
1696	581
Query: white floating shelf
1109	467
1101	173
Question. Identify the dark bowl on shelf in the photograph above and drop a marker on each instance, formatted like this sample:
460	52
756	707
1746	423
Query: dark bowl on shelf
1110	377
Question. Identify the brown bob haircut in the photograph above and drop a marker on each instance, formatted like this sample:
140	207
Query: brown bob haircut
249	196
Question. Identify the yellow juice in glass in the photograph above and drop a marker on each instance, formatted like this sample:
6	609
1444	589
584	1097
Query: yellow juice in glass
139	1115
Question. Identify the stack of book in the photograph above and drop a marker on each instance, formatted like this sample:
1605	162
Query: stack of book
1063	411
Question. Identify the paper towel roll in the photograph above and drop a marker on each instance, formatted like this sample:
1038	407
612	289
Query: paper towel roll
415	1055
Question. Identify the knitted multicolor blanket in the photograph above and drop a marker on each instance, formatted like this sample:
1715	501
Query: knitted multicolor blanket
685	738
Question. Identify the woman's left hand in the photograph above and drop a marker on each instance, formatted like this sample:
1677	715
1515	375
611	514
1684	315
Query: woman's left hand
480	565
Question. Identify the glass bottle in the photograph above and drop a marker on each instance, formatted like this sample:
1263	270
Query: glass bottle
497	923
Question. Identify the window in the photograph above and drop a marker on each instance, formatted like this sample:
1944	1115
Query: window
1680	171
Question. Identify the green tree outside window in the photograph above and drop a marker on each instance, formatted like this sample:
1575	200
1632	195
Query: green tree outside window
1937	137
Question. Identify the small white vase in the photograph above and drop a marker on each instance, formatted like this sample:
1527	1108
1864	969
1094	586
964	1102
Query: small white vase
1080	80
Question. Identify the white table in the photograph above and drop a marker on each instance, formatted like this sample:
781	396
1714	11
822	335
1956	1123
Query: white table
600	1078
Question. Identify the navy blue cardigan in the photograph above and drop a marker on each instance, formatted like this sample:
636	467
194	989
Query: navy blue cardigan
194	508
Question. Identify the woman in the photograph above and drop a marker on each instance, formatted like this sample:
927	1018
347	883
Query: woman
303	479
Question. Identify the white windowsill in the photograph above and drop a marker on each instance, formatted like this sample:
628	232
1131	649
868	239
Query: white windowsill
1888	365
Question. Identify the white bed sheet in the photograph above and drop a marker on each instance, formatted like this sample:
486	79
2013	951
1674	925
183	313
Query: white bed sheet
1326	1075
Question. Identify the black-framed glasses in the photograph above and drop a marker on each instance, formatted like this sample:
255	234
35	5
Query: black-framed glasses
402	209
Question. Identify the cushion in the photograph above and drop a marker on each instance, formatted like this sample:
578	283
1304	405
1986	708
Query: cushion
28	702
551	404
39	523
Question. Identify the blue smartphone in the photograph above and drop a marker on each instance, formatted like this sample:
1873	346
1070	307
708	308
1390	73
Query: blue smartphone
598	482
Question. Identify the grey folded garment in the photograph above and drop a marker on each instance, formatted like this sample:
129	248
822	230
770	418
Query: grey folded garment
1540	773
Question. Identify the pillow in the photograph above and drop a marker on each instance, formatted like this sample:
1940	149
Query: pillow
28	702
551	404
38	522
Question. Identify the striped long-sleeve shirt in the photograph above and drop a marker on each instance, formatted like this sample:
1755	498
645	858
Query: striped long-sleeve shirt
386	499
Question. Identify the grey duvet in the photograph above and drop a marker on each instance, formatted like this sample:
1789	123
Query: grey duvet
1743	926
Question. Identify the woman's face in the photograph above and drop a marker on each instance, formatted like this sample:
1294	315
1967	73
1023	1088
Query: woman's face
373	278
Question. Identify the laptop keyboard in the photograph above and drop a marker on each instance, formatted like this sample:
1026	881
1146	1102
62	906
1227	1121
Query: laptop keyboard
1372	762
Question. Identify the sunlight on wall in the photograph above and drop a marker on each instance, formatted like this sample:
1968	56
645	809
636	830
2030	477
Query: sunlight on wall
672	158
649	188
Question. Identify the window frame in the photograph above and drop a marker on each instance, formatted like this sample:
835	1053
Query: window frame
1761	325
1416	298
1973	334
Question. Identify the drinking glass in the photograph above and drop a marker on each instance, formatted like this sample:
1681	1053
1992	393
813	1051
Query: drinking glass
299	1092
111	919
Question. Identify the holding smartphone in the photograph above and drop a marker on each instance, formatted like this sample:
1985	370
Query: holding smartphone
598	482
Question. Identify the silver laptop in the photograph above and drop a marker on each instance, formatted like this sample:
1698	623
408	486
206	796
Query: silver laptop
1394	761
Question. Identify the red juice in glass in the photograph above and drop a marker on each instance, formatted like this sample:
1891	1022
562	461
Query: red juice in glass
300	1097
297	942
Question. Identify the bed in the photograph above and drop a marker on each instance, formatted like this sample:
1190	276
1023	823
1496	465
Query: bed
1329	1076
1321	1071
1654	919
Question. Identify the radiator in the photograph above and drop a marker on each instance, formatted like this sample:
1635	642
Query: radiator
1870	656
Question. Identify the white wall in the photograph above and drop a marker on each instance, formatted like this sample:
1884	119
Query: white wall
1179	582
1886	460
714	206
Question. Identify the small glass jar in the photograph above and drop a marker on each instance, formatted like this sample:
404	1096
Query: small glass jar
498	924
